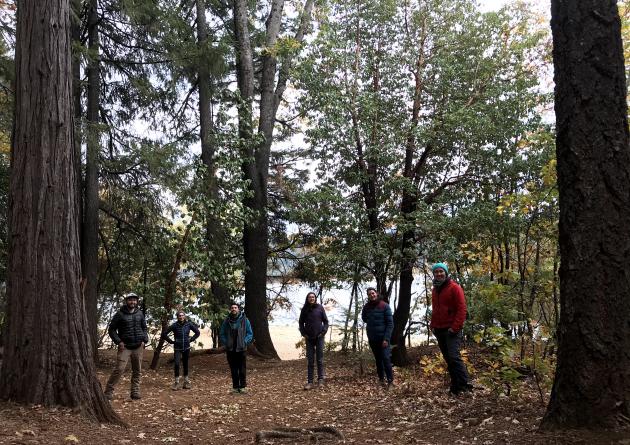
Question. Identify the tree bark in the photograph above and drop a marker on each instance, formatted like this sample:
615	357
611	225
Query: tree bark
90	238
592	384
48	351
215	238
256	153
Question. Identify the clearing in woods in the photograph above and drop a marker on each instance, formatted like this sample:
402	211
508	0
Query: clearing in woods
418	410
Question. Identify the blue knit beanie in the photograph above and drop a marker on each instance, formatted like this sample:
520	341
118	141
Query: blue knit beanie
440	266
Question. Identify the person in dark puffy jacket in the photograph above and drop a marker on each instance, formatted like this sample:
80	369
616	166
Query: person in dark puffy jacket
447	319
181	344
379	323
236	333
313	327
128	330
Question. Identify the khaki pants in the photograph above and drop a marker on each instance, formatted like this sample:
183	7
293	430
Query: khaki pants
121	363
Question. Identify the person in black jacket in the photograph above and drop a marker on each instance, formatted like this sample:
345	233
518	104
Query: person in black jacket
313	326
181	332
128	329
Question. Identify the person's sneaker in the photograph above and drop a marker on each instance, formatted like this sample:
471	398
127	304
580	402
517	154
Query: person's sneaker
175	385
243	390
321	383
135	397
236	391
390	385
187	384
308	386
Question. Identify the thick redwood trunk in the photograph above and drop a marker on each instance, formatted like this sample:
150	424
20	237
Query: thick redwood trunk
592	384
90	239
48	352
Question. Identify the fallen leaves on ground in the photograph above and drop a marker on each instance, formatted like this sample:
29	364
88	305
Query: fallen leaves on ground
417	411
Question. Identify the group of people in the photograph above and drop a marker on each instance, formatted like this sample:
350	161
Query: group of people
128	330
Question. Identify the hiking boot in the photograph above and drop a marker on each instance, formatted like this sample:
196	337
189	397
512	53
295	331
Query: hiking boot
308	386
175	385
136	396
187	384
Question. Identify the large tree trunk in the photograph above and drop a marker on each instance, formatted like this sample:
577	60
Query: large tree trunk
215	238
90	240
256	152
592	384
401	314
255	236
48	351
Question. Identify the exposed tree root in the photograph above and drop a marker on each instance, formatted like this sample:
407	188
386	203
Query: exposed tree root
312	435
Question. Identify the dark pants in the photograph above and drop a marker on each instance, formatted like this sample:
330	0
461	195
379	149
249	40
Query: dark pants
315	349
383	359
183	357
450	345
237	361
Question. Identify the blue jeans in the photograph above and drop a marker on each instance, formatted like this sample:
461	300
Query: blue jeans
315	348
383	359
450	344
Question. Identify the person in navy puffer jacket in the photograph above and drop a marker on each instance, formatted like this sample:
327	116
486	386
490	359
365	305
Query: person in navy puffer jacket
313	327
377	316
181	343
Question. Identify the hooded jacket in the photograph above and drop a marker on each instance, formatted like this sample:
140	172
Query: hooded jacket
313	320
129	327
449	306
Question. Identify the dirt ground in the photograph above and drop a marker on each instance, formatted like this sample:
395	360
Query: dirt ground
417	411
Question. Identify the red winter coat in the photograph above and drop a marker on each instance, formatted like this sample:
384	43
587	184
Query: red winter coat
449	306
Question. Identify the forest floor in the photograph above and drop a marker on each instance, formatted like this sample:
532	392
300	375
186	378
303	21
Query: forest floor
417	410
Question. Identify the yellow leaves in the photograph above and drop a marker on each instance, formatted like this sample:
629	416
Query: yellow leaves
549	173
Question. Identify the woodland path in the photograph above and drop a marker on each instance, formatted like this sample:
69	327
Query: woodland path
417	411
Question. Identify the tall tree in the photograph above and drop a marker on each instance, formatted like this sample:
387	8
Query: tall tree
592	383
214	231
48	352
256	147
89	239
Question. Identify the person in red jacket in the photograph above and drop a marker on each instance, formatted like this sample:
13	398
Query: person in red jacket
447	320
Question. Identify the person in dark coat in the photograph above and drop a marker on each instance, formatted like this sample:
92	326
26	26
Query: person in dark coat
181	344
313	327
236	333
379	323
128	330
447	319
